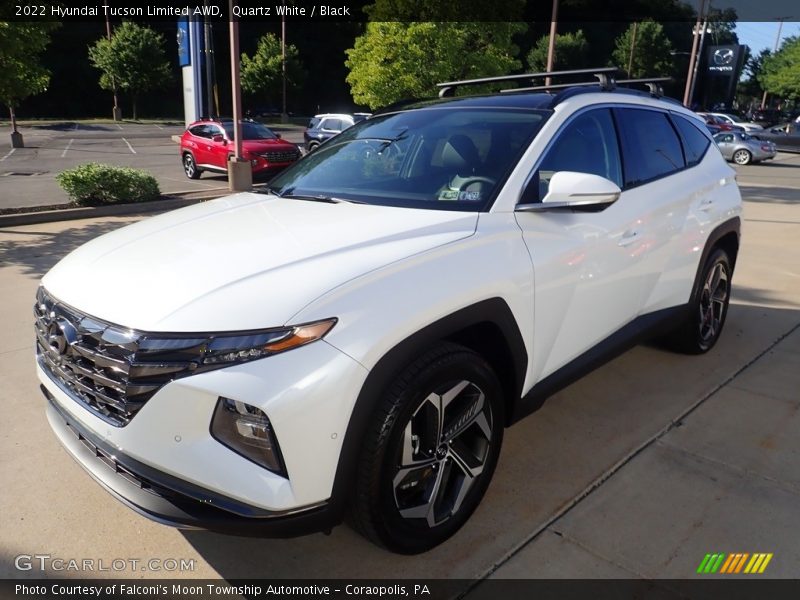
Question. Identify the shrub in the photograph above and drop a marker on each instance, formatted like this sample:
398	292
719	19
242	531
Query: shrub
92	184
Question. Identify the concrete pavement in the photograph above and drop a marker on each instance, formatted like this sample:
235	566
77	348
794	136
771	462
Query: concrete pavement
601	482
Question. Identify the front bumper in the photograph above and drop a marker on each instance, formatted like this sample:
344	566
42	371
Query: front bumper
172	501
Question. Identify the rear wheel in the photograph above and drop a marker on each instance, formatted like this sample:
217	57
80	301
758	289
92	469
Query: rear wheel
708	308
313	146
742	157
190	167
430	451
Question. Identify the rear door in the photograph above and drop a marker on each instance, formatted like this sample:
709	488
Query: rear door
725	144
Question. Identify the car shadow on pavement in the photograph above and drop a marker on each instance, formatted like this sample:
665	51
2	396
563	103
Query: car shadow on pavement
35	251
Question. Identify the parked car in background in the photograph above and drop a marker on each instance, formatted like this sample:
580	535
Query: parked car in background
720	124
786	137
742	148
206	146
734	120
324	126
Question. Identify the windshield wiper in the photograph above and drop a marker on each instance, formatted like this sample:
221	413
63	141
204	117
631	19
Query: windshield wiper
315	198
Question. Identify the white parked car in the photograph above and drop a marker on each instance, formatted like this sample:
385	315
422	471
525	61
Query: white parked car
733	120
357	339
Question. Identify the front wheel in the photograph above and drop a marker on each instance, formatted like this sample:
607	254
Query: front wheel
742	157
430	451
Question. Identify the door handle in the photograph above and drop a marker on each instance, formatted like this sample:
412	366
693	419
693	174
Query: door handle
629	237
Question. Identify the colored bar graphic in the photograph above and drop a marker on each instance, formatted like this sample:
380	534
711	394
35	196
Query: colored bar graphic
720	562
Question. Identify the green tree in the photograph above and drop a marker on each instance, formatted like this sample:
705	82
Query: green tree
262	74
651	50
780	73
572	52
394	60
133	60
21	44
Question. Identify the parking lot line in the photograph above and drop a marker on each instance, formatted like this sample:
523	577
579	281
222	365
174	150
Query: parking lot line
9	153
64	153
118	125
129	146
159	126
76	127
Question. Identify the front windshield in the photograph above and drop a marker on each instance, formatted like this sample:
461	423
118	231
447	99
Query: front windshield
438	158
250	131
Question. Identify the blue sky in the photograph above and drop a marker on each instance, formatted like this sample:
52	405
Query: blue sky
762	34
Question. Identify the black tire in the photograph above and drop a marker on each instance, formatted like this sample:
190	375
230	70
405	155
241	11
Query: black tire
412	488
707	309
312	146
190	167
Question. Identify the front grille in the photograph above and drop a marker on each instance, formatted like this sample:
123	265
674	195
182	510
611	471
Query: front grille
279	157
113	371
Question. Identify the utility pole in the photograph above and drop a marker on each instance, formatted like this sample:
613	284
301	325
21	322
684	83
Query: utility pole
117	111
240	172
633	45
693	56
699	56
284	114
209	65
777	42
551	46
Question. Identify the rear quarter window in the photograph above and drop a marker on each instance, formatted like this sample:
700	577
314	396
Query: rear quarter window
695	143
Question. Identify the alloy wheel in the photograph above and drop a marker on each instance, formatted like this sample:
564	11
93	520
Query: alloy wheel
443	451
741	157
713	299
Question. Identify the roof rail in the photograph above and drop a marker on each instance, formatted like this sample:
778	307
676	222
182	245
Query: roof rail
652	84
604	77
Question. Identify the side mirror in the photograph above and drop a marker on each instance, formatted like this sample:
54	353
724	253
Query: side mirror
218	138
569	189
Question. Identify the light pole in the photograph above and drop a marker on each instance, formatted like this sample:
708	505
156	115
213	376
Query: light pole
240	172
692	58
777	41
551	46
284	114
697	60
117	111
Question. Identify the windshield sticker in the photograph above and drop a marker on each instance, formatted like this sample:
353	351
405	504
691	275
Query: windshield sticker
457	195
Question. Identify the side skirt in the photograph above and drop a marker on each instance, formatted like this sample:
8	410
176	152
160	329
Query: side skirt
640	329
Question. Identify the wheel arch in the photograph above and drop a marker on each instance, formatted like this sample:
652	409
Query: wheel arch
724	236
487	327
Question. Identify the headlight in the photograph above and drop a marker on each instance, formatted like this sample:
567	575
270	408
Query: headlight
225	349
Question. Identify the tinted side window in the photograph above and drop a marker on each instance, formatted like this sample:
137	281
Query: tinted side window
331	125
695	143
200	131
587	145
650	145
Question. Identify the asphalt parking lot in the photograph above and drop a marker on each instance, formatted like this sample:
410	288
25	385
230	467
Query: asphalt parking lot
636	471
27	175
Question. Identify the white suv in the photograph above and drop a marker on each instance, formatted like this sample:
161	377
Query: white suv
355	341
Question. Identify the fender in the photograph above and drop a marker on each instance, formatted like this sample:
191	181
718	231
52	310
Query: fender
494	311
731	226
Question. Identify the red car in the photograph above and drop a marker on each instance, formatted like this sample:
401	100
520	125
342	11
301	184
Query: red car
206	146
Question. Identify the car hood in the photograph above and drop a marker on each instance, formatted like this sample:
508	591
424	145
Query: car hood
242	262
